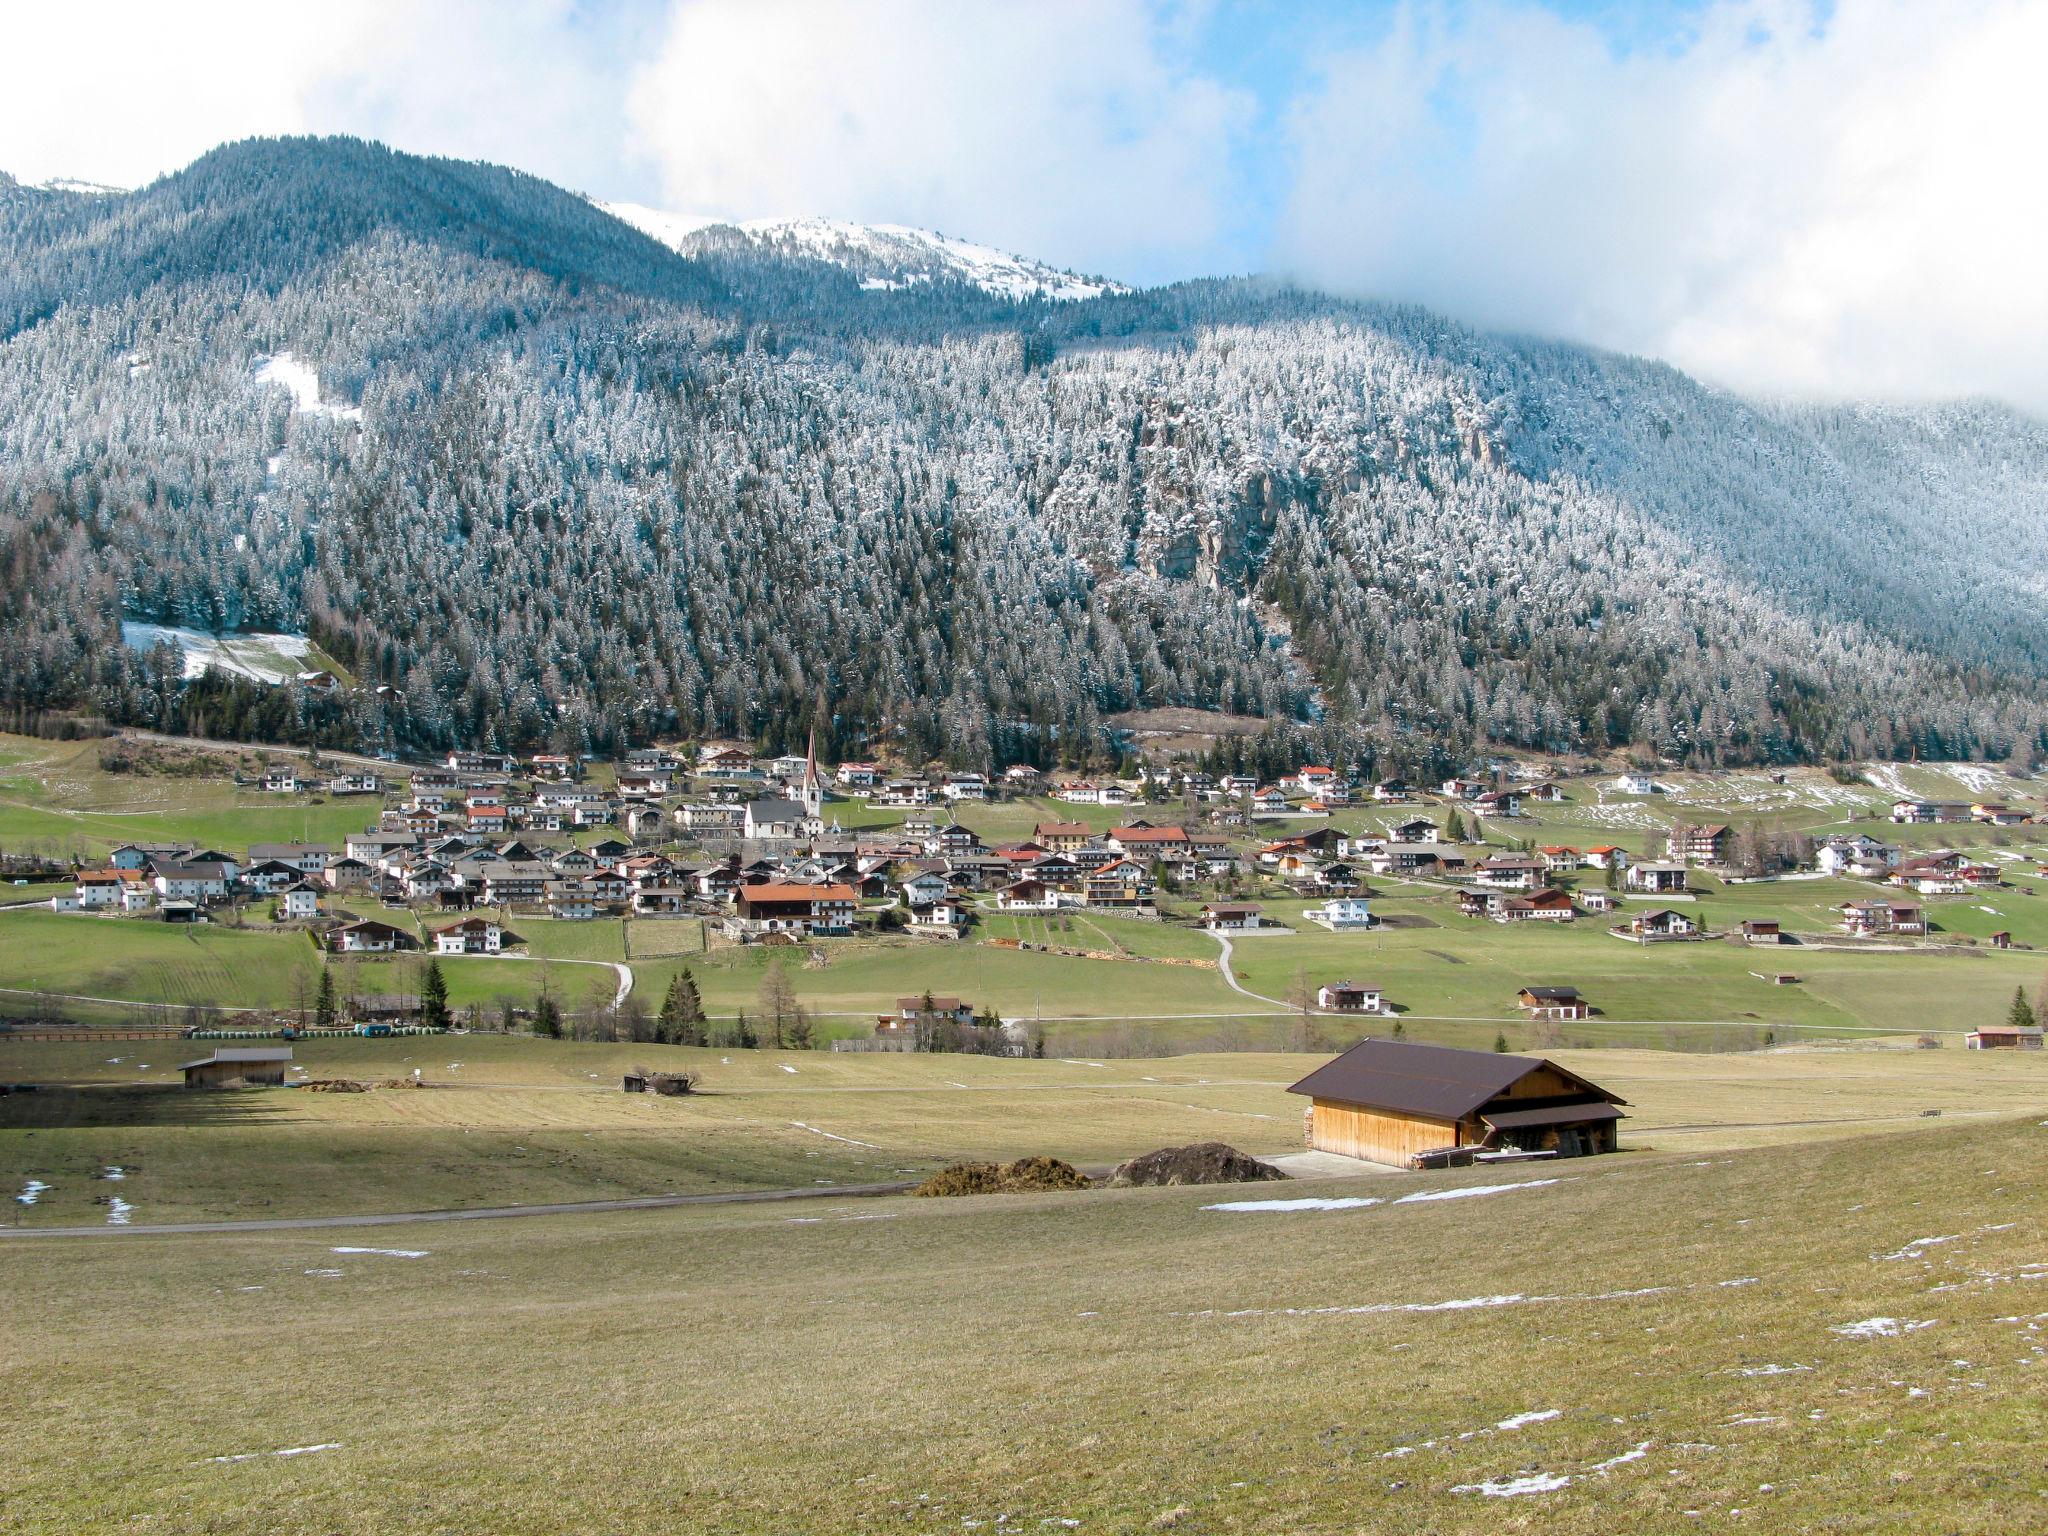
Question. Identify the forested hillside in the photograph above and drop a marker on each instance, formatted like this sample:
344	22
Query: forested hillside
536	479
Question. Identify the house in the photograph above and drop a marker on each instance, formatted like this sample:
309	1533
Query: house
964	786
1349	997
553	767
1389	1101
355	783
773	820
1498	802
1270	801
1663	923
1147	842
1997	815
306	858
660	900
571	901
1701	845
1342	914
1511	872
1867	919
1857	855
1122	883
1461	789
298	901
1405	859
281	781
1026	895
1392	790
239	1066
1416	829
1553	1003
1232	917
1636	784
191	882
923	888
99	890
950	917
910	1009
857	775
722	820
1606	856
1656	879
1598	901
2004	1037
369	937
807	911
1761	931
904	792
1545	906
473	936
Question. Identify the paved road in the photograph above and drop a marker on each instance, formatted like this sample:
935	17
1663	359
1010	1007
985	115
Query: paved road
481	1213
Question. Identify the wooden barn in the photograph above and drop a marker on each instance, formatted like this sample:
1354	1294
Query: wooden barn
239	1066
1389	1101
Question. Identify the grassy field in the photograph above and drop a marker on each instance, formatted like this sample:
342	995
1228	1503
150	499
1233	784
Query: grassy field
1646	1343
511	1120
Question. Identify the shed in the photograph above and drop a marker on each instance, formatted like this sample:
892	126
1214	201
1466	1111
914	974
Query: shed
240	1065
2005	1037
1391	1101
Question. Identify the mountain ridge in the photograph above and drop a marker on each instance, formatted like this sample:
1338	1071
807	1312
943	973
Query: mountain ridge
601	489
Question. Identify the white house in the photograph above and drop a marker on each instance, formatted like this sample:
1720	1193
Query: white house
1232	917
1340	913
1636	784
471	936
298	901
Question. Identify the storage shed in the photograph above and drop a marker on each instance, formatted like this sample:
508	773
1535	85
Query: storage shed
260	1066
1390	1101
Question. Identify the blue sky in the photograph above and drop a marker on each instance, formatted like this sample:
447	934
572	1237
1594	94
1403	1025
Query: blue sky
1801	196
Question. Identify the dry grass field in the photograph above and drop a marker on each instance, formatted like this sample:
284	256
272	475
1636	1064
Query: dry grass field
1845	1336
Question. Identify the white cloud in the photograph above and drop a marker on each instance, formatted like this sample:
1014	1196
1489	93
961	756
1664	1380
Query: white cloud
127	91
1066	131
1844	205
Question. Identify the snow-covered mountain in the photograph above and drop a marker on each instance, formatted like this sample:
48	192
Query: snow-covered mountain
882	256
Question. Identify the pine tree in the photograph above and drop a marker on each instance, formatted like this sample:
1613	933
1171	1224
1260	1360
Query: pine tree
323	1001
2021	1014
1500	1042
547	1017
434	997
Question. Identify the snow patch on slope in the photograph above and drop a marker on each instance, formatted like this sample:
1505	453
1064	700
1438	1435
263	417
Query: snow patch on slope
263	658
882	256
304	384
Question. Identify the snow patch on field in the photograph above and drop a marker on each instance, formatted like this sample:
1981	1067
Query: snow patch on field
290	1450
260	657
31	1192
1461	1304
1880	1328
118	1211
832	1136
1307	1203
1472	1189
389	1253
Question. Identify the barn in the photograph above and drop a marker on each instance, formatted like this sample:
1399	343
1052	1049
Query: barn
1390	1101
238	1066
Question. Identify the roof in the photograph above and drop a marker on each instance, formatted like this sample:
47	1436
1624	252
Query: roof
1436	1081
778	891
238	1053
1554	994
1573	1112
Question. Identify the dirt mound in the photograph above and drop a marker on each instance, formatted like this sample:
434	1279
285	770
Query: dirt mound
334	1085
1021	1177
1202	1162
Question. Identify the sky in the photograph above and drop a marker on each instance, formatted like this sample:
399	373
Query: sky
1786	196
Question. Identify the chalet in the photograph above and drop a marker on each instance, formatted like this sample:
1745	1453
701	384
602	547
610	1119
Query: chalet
1416	829
1545	906
1700	845
1341	914
1866	919
1662	923
1389	1101
1238	784
1657	879
296	902
1995	815
1545	791
1405	859
1923	811
281	781
369	847
1336	879
1606	856
1498	802
1479	903
661	900
806	911
483	763
612	889
1026	895
1553	1003
724	760
1055	869
1021	776
722	820
515	883
1349	997
368	937
1461	789
473	936
1761	931
2005	1037
593	813
1636	784
1391	790
904	792
1858	855
658	760
910	1009
649	785
98	890
1270	801
554	767
953	840
1232	917
857	775
239	1066
355	783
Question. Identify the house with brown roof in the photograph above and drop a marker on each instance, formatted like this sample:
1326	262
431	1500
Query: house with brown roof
1407	1105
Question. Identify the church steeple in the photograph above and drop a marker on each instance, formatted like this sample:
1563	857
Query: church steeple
813	789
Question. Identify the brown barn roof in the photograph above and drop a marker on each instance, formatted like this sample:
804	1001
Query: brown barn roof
1436	1081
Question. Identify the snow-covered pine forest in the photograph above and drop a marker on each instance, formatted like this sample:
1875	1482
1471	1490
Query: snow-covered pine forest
538	480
